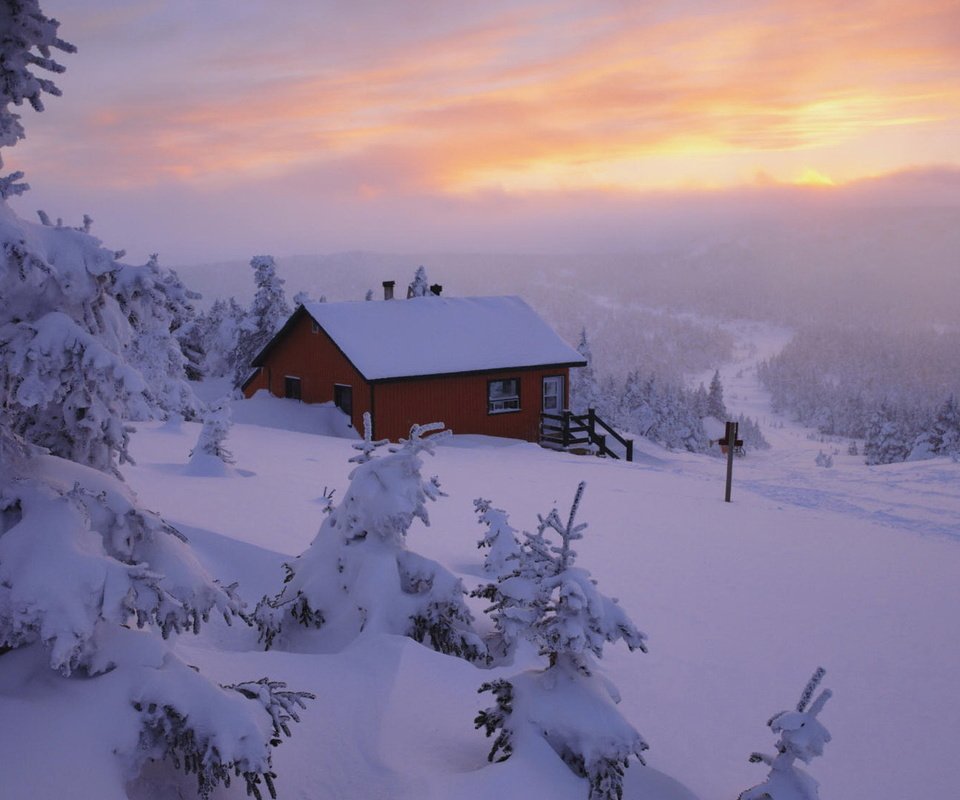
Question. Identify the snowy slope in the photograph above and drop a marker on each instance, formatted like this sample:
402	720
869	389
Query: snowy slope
854	568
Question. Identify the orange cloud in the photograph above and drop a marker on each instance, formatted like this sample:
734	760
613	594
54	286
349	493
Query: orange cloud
555	97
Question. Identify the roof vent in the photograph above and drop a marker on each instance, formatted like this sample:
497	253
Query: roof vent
436	288
388	289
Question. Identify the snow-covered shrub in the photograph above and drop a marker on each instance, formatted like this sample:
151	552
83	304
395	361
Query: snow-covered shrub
824	460
802	736
558	607
357	575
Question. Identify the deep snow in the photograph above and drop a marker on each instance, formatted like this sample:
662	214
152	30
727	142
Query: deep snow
852	567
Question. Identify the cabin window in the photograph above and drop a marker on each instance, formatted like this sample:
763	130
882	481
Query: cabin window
343	398
503	396
314	326
291	387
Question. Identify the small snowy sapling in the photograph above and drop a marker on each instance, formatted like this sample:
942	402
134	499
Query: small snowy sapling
802	736
358	576
558	607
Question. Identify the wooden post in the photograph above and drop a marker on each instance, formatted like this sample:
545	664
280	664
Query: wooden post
602	441
731	437
629	449
565	438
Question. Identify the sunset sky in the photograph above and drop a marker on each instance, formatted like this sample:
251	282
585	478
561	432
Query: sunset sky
210	130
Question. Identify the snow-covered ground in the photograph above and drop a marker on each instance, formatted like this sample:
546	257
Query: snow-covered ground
854	568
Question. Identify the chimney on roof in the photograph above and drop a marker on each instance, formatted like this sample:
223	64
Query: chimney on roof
435	289
388	289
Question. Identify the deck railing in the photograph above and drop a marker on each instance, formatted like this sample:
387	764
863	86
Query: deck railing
570	431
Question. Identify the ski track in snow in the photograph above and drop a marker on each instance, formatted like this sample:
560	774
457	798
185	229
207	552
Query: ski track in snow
922	499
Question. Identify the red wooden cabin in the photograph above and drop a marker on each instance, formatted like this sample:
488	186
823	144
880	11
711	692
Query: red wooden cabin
487	365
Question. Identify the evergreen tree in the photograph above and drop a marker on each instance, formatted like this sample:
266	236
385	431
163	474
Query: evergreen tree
24	29
584	388
420	285
888	438
802	736
266	315
213	434
557	606
715	404
358	576
90	581
156	305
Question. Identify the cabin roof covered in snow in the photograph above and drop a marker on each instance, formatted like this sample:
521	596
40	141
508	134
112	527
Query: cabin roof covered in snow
422	336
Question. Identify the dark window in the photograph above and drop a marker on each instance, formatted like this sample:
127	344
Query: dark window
315	327
503	396
343	398
291	387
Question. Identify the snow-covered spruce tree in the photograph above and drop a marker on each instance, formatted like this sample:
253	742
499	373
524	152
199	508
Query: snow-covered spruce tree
941	435
26	38
267	313
715	405
802	736
584	387
888	438
82	566
156	305
558	607
420	285
210	455
358	576
749	431
218	331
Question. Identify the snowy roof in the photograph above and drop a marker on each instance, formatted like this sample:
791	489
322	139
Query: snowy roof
441	335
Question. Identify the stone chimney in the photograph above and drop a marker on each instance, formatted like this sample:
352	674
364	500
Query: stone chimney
388	289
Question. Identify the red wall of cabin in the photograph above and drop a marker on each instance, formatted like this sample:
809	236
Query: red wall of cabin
316	360
459	401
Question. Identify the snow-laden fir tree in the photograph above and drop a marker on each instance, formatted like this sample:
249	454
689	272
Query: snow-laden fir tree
91	583
357	576
267	313
802	736
218	331
715	405
27	37
420	285
210	455
157	305
889	439
556	605
941	435
749	431
584	386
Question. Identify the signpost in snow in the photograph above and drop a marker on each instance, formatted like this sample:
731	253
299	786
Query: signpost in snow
729	443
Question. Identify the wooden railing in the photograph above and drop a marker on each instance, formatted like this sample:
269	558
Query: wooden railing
568	431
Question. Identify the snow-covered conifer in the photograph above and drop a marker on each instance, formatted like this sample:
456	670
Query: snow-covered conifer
557	606
802	736
715	404
500	538
89	581
420	285
268	312
749	431
210	455
824	460
218	331
888	437
157	305
584	387
358	576
24	29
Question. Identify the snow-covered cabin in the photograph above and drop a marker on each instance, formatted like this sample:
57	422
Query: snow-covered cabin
487	365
